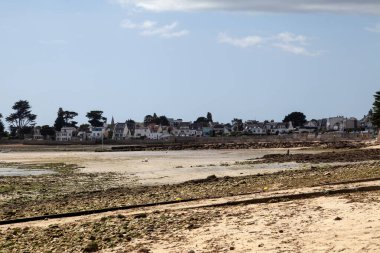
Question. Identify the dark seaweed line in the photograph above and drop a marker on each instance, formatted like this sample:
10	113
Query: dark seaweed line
290	197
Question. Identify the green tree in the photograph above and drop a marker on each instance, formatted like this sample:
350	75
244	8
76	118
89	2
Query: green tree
131	124
148	119
84	128
237	125
163	121
68	116
60	121
203	121
297	118
47	131
375	118
22	118
157	120
1	127
64	119
96	119
209	117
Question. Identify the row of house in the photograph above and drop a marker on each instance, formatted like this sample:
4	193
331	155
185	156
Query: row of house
180	128
71	134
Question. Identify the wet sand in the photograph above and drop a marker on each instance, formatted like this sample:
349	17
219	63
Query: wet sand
161	167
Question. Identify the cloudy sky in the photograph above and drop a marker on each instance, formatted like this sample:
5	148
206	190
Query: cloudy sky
253	59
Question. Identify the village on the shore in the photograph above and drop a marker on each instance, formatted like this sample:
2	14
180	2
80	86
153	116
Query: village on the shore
154	127
178	128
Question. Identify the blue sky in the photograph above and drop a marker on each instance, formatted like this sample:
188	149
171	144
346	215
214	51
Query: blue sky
248	59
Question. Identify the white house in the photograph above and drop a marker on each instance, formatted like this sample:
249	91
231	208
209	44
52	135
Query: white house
141	131
97	133
37	133
66	134
120	131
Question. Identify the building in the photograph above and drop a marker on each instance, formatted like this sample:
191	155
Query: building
97	133
120	131
66	134
335	123
37	133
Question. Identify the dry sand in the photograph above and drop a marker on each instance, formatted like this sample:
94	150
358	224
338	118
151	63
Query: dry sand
297	226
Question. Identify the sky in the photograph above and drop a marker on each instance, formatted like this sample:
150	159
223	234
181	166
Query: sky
250	59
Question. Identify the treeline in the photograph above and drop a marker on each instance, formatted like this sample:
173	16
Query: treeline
22	121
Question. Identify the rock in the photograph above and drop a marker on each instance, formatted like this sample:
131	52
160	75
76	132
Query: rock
261	245
192	226
120	216
140	215
191	251
144	250
338	218
281	231
232	248
91	247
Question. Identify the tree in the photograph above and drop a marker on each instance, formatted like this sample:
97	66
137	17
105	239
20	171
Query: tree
1	127
84	128
131	124
375	118
47	131
209	117
157	120
22	118
297	118
60	121
64	119
163	121
148	119
68	116
203	121
237	125
96	119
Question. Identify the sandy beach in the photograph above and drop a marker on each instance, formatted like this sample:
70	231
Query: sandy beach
215	198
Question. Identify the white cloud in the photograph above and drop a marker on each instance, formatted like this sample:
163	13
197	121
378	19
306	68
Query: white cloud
150	28
287	37
335	6
240	42
287	42
297	50
374	29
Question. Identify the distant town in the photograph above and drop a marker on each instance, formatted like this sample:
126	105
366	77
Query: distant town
156	127
179	128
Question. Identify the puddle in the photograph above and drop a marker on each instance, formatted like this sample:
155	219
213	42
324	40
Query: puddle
11	172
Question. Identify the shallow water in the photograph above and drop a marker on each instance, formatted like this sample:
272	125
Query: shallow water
10	172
